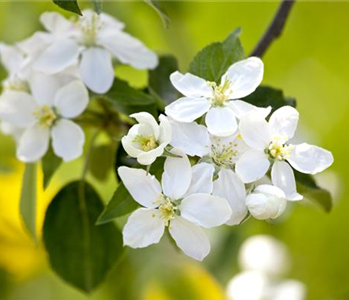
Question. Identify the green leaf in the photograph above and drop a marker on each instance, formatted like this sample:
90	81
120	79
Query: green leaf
158	7
69	5
122	202
101	161
265	96
159	79
28	199
306	186
129	100
80	252
50	164
98	5
215	59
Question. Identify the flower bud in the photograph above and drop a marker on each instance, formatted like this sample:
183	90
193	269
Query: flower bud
266	202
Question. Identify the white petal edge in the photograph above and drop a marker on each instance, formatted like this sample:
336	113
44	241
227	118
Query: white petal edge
190	85
177	175
252	165
33	143
202	179
187	109
143	228
283	122
310	159
245	76
72	99
230	187
283	177
143	187
67	140
205	210
190	238
221	121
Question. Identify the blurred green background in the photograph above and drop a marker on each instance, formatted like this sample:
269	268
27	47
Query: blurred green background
310	62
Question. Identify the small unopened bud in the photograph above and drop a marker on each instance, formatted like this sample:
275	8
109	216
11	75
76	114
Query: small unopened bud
266	202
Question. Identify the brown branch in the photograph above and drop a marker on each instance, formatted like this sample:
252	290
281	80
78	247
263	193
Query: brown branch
275	28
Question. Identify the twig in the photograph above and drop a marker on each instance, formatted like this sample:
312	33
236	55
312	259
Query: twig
275	28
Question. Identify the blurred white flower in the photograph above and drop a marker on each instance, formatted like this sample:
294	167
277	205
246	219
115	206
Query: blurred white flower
45	113
266	202
147	140
265	254
170	205
201	97
269	143
91	42
264	260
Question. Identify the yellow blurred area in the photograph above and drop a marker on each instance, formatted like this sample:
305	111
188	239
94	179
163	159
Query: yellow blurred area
19	255
199	285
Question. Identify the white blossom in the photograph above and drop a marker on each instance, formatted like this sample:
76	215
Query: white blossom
45	113
201	97
147	140
170	205
270	145
91	43
266	202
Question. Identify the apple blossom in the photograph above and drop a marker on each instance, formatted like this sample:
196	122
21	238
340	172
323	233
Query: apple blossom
201	97
147	140
266	202
270	145
91	42
170	205
47	112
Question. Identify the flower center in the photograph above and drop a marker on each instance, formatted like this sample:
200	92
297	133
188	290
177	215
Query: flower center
278	149
15	84
220	93
223	154
45	115
146	143
89	27
167	209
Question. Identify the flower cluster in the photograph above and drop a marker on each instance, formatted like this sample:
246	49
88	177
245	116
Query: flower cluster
225	159
49	75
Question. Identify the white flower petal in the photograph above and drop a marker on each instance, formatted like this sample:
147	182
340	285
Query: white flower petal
72	99
96	70
221	121
128	49
202	179
55	22
310	159
144	188
252	165
230	187
187	109
190	85
146	158
177	175
245	76
205	210
58	56
191	138
255	131
165	135
17	108
147	118
109	21
44	87
283	177
11	58
242	108
283	122
67	140
190	238
269	189
33	143
143	228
